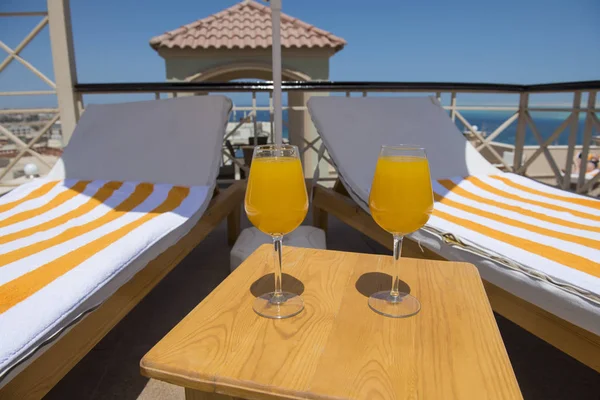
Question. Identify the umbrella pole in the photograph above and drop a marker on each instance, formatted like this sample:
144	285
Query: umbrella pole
276	27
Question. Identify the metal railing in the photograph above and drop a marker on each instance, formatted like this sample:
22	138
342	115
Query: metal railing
524	157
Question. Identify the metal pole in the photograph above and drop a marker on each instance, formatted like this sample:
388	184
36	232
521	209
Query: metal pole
276	36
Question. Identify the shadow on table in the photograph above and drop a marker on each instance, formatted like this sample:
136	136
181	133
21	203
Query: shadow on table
266	284
373	282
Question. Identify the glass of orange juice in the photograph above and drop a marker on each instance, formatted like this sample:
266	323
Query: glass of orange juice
401	201
276	203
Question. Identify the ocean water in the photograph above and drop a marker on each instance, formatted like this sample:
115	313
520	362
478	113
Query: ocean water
546	123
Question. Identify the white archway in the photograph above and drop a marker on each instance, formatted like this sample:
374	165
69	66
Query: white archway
231	71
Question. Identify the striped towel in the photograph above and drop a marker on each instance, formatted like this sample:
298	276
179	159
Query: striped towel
61	241
554	232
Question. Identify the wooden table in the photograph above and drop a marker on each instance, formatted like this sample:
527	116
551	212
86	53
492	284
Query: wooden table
338	348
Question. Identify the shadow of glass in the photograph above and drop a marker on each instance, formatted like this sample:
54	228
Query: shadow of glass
373	282
266	284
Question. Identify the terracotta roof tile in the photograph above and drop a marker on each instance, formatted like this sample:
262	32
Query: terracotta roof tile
245	25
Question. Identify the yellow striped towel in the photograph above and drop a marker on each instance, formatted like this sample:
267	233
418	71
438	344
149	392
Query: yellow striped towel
61	241
551	231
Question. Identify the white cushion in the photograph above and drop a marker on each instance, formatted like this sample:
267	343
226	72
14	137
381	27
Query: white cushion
391	120
176	141
251	238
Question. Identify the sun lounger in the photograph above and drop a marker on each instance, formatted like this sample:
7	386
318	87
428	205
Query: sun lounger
130	197
536	247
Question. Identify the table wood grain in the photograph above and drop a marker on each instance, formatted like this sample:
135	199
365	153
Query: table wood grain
338	348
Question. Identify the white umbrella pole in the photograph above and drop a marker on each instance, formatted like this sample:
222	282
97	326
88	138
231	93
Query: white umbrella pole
276	26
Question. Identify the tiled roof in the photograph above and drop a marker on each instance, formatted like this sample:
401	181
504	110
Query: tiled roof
245	25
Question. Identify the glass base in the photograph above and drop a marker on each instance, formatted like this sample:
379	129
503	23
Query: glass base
287	305
402	306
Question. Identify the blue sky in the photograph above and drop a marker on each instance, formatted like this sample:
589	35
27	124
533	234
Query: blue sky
510	41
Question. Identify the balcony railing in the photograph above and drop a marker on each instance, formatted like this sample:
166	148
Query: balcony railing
555	167
579	119
18	144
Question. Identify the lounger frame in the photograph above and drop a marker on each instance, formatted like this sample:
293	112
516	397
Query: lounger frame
49	368
579	343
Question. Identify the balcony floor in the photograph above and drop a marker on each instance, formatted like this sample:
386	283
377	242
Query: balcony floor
111	369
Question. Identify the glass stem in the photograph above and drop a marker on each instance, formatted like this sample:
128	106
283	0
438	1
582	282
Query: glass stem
277	243
395	292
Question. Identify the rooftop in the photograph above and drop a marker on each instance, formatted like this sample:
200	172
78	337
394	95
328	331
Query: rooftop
246	25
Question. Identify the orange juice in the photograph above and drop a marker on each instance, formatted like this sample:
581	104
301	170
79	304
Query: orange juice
401	199
276	200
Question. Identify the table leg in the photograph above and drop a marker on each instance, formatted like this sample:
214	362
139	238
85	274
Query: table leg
192	394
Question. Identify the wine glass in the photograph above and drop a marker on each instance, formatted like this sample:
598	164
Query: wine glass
276	204
401	202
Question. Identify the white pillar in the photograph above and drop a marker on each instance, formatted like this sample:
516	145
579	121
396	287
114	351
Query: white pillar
302	130
63	57
296	124
521	130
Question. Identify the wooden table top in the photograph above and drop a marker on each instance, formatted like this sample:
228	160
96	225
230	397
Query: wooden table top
338	347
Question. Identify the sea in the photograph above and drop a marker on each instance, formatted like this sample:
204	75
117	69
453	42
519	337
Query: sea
488	121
